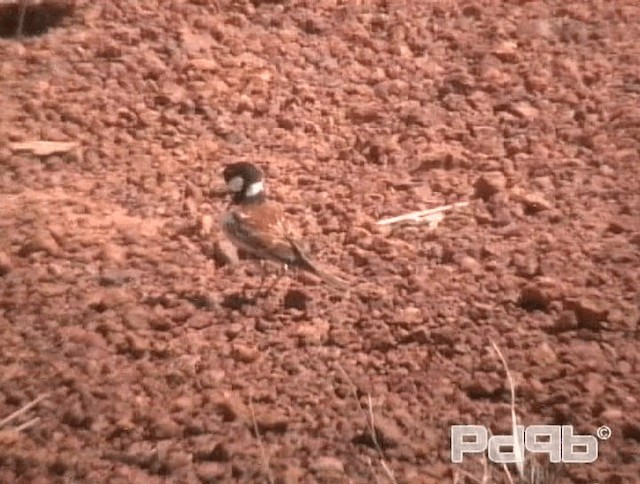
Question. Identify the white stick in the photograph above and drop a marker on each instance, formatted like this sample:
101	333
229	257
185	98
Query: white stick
22	410
514	420
415	216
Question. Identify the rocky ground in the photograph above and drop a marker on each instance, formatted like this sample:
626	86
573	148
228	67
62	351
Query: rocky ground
116	304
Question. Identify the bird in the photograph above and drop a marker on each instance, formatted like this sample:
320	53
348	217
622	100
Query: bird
257	225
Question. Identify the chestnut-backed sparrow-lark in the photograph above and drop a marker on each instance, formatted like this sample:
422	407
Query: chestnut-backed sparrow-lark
257	226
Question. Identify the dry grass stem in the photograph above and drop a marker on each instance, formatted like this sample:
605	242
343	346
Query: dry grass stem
43	147
27	424
370	423
23	410
519	451
508	473
432	215
263	452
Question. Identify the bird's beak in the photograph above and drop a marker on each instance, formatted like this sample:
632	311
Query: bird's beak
219	190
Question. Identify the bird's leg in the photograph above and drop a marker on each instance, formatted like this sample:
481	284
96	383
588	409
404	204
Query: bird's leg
263	275
280	275
263	278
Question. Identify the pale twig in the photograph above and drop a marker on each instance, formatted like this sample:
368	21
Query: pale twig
22	410
506	471
372	470
263	453
422	215
485	473
370	423
43	147
466	474
383	463
519	451
27	424
485	469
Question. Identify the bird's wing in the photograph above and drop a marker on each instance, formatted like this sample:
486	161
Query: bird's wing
263	233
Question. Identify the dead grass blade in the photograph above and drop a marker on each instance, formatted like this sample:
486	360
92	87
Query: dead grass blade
263	452
43	148
22	411
519	451
368	417
432	215
479	480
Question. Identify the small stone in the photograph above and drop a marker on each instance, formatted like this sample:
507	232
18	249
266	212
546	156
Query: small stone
244	354
567	321
589	313
199	320
469	264
535	202
160	323
10	437
272	423
631	430
40	242
612	415
225	253
136	318
206	448
533	297
364	114
327	465
5	264
211	471
292	475
115	278
526	265
113	253
606	170
545	355
184	402
485	385
524	110
204	64
409	316
620	224
387	433
419	335
176	459
285	122
76	417
315	333
192	191
489	184
245	103
315	24
296	299
626	155
165	428
593	384
507	51
55	270
190	207
206	225
231	407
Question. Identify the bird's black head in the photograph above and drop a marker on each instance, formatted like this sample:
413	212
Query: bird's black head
245	181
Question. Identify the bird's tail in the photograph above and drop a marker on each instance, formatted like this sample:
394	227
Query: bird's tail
306	263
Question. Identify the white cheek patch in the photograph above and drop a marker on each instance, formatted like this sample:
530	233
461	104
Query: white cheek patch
235	184
255	189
